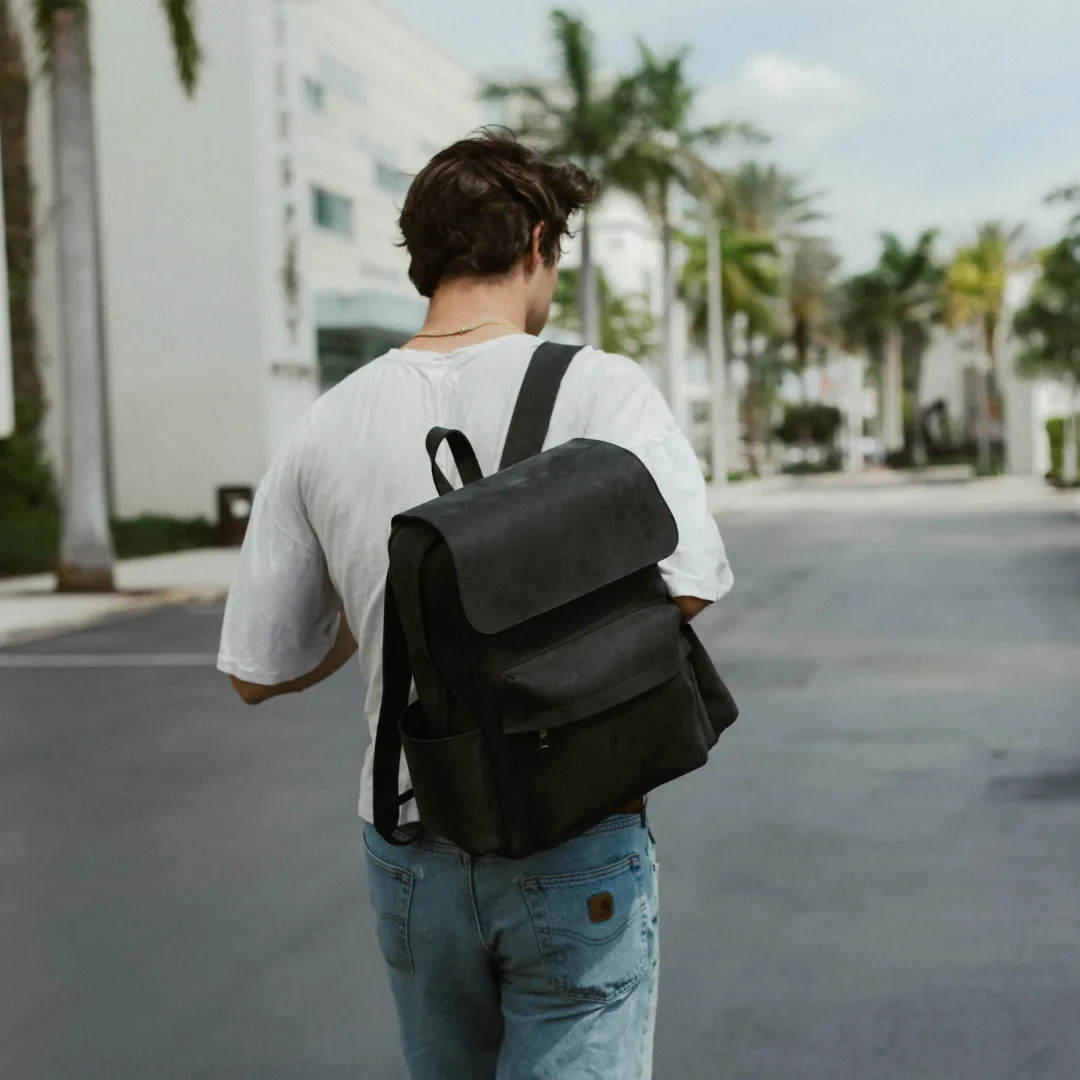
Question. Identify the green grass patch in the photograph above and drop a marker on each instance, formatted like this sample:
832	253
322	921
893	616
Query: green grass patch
30	543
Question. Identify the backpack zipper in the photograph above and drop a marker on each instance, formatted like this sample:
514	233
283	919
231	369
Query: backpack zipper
543	740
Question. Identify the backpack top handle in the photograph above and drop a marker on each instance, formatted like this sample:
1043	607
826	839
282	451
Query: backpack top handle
464	458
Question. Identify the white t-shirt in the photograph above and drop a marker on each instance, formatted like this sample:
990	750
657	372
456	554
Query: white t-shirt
319	527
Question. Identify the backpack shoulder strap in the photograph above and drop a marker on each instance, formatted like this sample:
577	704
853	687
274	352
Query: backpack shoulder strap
397	682
536	401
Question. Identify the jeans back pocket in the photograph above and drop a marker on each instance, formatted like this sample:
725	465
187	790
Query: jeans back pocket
593	929
391	895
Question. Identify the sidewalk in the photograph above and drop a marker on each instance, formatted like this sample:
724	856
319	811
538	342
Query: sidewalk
30	608
883	490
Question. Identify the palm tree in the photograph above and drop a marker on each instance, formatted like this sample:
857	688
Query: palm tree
749	275
975	286
768	201
885	307
86	551
578	117
750	286
810	273
626	324
665	156
862	323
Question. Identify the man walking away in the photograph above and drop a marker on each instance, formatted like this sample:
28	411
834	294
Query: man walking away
543	968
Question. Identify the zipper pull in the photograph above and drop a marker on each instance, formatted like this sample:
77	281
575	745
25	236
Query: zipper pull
543	740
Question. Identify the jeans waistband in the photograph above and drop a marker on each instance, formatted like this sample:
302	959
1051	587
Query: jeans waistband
428	841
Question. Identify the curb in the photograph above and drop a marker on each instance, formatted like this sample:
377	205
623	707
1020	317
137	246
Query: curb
134	604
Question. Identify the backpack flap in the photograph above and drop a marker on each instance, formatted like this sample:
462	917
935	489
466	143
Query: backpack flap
551	529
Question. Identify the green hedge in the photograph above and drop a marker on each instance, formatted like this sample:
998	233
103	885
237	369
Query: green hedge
816	423
29	543
1055	431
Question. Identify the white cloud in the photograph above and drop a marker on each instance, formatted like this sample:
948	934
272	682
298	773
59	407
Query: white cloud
801	103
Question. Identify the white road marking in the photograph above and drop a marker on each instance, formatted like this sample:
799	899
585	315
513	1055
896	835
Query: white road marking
106	660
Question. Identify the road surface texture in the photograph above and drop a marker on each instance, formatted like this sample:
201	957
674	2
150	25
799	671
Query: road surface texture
876	878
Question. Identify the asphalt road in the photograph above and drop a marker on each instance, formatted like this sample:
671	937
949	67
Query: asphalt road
877	877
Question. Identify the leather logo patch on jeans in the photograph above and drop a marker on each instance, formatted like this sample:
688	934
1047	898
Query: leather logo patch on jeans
601	907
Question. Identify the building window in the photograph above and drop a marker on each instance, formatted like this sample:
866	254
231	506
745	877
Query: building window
315	95
395	181
341	352
333	212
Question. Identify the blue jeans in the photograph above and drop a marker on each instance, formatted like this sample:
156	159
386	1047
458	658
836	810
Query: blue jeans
543	968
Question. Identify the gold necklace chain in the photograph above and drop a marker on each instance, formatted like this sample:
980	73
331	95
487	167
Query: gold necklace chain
469	329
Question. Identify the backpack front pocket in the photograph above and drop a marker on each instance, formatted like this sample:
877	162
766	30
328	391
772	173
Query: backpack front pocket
598	670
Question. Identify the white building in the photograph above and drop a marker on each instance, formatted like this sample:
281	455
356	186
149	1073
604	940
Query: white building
949	372
628	251
248	234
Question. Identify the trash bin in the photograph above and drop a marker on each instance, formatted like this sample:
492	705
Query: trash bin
234	509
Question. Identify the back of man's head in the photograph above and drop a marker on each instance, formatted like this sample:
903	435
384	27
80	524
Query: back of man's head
471	211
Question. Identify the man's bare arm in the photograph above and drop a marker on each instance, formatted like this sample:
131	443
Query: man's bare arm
343	648
691	606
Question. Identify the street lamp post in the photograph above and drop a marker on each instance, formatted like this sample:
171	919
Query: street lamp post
669	213
717	360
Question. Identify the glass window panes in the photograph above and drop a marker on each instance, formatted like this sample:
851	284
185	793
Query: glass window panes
333	212
341	352
315	95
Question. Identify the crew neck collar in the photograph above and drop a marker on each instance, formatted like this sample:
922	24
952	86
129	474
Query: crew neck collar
431	354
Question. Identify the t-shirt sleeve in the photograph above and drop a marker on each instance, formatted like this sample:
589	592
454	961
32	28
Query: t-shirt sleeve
281	617
627	409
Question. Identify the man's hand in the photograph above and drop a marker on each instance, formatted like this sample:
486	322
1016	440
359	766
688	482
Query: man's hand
691	606
343	648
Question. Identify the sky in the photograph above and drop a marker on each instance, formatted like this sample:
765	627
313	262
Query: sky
906	114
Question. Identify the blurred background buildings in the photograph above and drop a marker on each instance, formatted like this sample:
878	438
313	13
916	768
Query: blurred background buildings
248	260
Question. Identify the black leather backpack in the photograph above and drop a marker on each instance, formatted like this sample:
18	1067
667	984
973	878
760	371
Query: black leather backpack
556	680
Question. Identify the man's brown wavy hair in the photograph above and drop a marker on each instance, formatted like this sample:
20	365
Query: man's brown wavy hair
471	211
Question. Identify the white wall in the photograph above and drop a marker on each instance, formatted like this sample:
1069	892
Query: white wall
180	250
392	97
1028	406
287	365
949	355
626	246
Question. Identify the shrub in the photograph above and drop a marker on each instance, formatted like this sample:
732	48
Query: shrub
809	423
26	480
1055	431
30	542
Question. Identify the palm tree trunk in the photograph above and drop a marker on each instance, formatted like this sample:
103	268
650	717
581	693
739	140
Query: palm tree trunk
588	288
918	445
86	551
667	319
982	406
750	404
892	405
717	355
982	421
